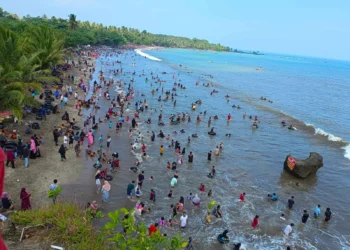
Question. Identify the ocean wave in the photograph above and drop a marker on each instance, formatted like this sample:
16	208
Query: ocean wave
330	136
141	53
347	151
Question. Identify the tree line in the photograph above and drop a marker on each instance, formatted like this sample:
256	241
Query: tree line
83	32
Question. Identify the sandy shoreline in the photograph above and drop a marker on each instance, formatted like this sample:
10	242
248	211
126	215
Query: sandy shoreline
42	171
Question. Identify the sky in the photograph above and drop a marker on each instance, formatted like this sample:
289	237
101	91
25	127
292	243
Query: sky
309	27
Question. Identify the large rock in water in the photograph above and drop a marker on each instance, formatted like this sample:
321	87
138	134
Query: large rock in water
303	168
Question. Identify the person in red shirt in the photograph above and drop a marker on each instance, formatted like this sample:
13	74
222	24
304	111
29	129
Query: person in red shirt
255	221
153	229
241	197
202	187
229	117
10	158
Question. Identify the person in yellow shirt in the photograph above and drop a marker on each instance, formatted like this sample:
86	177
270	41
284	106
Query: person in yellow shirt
161	150
208	218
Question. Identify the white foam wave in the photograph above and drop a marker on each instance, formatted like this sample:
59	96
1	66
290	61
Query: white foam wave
330	136
141	53
347	151
309	124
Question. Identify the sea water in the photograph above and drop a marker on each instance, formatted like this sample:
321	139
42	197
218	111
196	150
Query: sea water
309	93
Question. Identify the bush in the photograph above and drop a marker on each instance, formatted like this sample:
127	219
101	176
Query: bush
69	226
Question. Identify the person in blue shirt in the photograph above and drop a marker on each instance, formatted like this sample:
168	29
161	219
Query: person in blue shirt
317	211
273	196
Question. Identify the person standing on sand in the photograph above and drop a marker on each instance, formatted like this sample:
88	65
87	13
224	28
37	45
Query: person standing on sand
56	134
65	140
10	157
25	155
105	191
77	149
53	187
90	138
25	200
62	152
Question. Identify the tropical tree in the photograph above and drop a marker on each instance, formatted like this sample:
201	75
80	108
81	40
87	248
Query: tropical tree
17	73
73	21
49	45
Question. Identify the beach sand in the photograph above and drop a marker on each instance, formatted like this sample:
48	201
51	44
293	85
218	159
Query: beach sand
42	171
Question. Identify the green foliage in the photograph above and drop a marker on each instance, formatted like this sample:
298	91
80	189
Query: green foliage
48	43
68	226
55	193
83	33
136	235
26	54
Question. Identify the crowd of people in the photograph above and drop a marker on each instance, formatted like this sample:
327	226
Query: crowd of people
87	139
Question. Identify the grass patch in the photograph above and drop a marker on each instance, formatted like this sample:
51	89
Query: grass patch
68	226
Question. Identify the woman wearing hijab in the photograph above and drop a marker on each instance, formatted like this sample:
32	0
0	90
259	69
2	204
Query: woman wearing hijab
32	149
6	201
196	200
62	152
133	123
105	191
223	238
25	200
90	138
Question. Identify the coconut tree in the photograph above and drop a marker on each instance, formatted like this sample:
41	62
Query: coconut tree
49	45
73	21
17	73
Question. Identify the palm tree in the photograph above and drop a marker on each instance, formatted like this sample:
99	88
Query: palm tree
50	45
17	73
73	21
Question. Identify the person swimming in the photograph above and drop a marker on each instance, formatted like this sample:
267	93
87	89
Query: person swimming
223	238
273	196
291	127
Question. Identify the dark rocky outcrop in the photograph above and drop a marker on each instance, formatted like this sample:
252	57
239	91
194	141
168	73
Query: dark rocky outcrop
303	168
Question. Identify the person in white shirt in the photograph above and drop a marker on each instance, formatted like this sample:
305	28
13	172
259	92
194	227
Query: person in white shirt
288	229
65	140
282	217
184	220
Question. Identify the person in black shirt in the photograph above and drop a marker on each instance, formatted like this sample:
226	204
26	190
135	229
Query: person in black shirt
209	156
305	217
291	202
190	157
327	215
173	209
6	201
140	179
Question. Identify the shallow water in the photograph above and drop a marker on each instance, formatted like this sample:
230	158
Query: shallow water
252	160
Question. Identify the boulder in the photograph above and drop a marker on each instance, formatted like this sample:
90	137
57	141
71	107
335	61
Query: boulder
303	168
